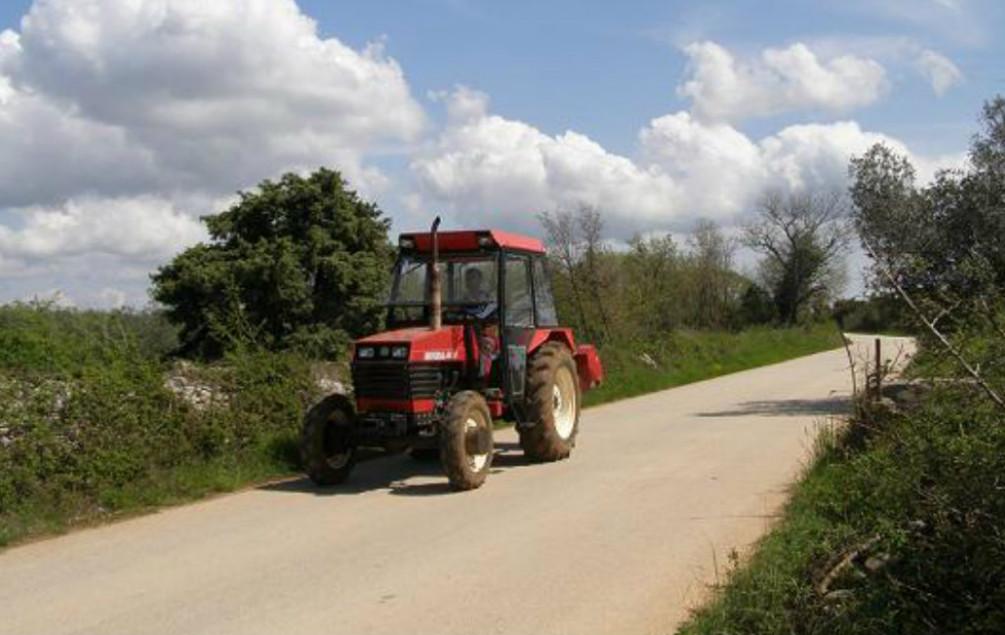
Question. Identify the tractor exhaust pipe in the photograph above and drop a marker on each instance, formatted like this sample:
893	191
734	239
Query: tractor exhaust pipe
436	301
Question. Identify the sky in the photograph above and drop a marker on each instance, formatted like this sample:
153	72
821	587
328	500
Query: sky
124	121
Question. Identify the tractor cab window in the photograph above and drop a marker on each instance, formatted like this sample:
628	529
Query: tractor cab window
468	283
545	302
519	298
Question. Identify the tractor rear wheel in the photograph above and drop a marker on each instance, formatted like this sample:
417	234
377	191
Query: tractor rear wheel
326	445
466	440
552	404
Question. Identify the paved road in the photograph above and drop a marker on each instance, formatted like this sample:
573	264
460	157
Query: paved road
622	538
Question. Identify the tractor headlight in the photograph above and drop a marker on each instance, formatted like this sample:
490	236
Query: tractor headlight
365	352
399	352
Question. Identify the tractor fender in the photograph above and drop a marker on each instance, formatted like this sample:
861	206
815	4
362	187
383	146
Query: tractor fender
543	336
591	371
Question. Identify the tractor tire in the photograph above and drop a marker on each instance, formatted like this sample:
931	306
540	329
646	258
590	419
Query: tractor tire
552	403
466	441
326	447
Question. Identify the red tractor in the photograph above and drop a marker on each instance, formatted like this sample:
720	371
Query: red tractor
472	337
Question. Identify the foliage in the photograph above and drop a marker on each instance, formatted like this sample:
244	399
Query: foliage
940	246
656	361
654	286
926	486
88	426
301	263
878	313
756	305
802	236
39	338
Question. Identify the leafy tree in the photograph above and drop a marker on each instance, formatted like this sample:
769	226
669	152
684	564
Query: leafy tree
946	237
802	236
714	287
299	263
651	288
756	305
940	249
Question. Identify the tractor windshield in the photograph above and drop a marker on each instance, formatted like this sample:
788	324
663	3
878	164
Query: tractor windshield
465	280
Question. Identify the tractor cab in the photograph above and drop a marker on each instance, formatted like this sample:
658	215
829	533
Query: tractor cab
472	336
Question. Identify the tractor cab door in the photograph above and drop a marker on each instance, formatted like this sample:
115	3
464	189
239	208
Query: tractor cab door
518	324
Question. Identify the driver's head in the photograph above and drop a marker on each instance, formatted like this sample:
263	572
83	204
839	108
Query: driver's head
473	283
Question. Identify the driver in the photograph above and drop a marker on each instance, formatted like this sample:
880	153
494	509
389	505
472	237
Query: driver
474	290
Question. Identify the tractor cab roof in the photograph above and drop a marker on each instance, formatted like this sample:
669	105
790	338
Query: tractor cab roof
469	240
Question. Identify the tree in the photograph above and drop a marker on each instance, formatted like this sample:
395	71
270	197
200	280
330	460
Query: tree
565	249
300	263
756	306
713	276
591	225
802	236
940	248
651	289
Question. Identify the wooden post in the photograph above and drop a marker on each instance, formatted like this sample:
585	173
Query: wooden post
879	370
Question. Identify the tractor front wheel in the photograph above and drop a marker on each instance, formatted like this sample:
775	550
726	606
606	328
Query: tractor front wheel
326	445
552	404
466	440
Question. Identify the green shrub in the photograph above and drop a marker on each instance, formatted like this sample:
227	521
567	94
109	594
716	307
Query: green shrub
83	446
928	488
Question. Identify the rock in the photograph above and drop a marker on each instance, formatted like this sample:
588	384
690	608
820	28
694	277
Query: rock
326	378
183	382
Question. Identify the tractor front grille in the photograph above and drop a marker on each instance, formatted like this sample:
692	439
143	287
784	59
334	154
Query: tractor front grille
396	380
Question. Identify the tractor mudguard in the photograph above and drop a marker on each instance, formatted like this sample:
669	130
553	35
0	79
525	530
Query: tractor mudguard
591	371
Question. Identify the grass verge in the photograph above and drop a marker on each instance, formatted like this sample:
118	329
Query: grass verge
896	528
636	368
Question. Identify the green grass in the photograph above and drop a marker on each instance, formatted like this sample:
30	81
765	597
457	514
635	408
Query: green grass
688	356
186	482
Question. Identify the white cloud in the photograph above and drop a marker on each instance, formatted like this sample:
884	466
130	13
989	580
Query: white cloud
723	88
119	113
143	228
113	298
486	169
216	95
897	52
502	170
939	70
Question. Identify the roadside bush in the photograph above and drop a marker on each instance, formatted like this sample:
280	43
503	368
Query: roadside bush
79	445
921	500
41	338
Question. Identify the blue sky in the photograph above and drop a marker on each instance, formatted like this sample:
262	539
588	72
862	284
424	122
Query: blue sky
128	121
602	68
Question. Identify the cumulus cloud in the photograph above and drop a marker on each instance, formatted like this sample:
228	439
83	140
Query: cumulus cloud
197	94
144	228
493	169
724	88
939	70
111	111
507	171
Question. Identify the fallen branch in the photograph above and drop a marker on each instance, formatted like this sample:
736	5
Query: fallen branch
843	563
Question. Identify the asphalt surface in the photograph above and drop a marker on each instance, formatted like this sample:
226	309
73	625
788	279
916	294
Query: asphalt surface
622	538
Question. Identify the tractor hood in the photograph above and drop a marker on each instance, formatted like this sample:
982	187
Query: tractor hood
425	344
